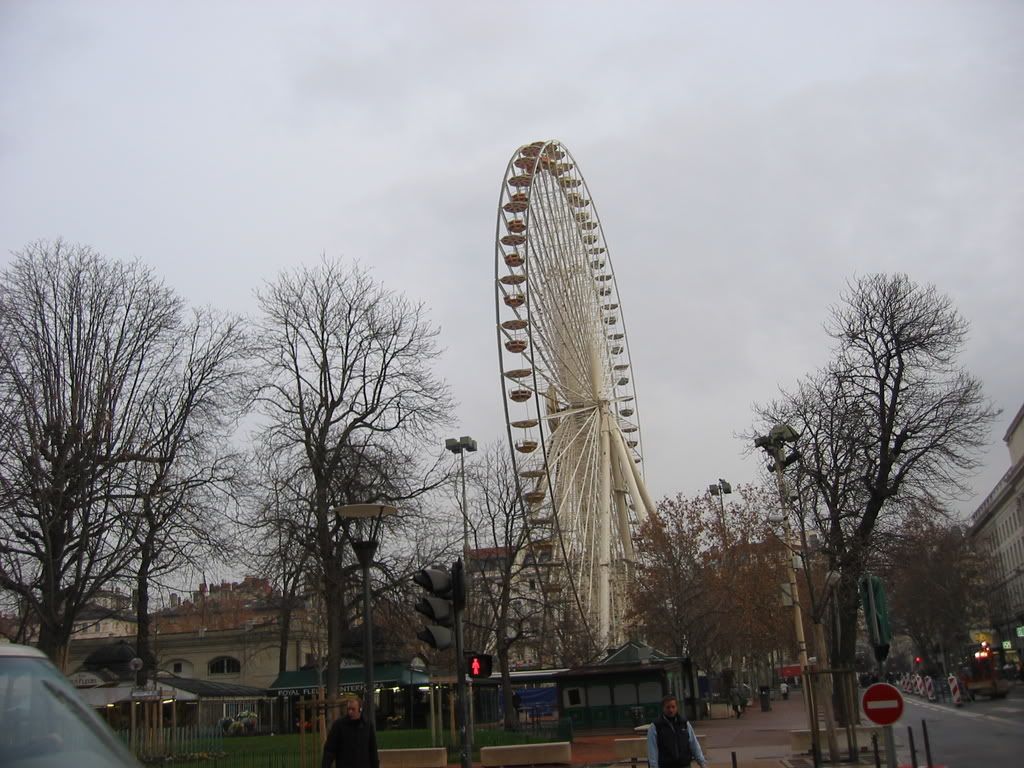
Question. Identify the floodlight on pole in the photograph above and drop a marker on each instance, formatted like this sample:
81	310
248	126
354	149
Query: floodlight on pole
362	525
462	446
719	489
772	444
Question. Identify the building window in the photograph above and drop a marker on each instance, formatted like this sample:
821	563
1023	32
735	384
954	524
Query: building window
176	668
225	665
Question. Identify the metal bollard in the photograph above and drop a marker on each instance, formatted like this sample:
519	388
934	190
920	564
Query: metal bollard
913	750
733	760
927	745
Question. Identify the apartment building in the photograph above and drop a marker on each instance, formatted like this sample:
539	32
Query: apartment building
997	527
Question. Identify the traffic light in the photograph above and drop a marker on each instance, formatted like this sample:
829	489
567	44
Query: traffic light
876	614
447	597
436	606
479	664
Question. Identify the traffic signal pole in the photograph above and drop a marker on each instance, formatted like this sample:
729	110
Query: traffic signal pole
444	605
876	633
465	732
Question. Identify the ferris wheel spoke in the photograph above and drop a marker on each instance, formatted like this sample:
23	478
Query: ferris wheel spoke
562	347
561	269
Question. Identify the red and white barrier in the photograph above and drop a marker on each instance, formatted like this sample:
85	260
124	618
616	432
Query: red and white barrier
929	688
954	691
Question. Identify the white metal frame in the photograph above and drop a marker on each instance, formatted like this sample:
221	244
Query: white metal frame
570	402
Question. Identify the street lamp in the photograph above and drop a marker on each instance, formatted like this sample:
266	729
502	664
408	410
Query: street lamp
773	444
462	446
362	524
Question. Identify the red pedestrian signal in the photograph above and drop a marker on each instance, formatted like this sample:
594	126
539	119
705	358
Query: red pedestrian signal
479	664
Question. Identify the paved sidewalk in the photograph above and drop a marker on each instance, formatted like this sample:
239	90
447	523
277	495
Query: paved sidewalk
758	738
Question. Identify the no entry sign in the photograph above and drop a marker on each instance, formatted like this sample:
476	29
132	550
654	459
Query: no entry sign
882	704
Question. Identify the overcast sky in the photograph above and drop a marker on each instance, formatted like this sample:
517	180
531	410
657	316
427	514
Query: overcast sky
746	160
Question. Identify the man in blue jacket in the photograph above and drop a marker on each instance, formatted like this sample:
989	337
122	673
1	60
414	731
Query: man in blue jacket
671	742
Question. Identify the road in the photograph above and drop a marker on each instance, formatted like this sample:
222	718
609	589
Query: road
982	734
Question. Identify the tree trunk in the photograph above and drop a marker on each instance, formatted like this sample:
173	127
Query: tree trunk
511	714
53	641
284	630
143	641
846	593
334	626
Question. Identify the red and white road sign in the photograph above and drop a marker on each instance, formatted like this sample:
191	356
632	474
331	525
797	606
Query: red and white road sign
882	704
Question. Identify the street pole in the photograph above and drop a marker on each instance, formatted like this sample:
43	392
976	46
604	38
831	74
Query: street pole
465	732
887	732
798	619
460	446
465	515
467	690
367	521
365	550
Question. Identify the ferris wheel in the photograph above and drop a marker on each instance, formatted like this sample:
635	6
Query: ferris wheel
570	402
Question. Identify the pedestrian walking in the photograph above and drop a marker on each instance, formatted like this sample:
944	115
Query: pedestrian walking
784	688
736	700
671	742
351	742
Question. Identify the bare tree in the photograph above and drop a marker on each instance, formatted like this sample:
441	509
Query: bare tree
892	419
502	609
279	540
80	339
350	398
189	472
938	585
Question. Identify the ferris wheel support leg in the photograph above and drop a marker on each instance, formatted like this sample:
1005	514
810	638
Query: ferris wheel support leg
622	486
604	533
644	505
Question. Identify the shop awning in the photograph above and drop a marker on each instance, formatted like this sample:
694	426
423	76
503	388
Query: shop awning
304	682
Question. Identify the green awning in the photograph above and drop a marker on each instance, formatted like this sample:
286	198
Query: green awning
304	682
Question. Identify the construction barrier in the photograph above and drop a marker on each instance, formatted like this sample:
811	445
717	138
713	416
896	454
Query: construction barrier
929	688
954	691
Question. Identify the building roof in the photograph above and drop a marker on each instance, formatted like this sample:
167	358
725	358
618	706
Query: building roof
1014	423
604	670
634	653
208	689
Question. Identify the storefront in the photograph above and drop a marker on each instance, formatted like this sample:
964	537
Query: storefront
401	692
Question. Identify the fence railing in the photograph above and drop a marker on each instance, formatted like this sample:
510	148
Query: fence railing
148	743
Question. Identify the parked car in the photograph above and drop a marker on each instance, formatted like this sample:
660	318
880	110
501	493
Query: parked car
45	722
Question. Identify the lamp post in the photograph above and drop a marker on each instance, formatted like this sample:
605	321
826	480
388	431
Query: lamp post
462	446
362	524
773	444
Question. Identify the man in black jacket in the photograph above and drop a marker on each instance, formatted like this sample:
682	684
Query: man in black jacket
671	742
351	742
